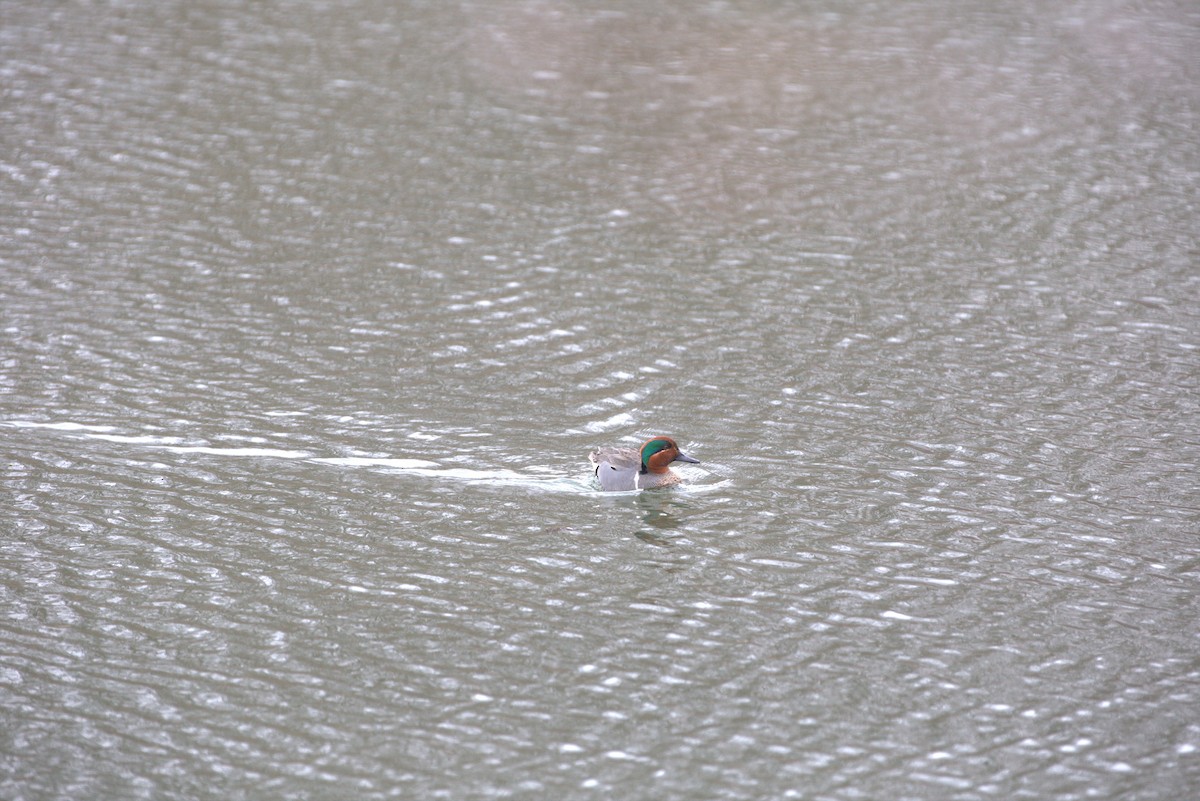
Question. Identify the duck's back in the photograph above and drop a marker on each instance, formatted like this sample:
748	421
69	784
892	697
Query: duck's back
620	458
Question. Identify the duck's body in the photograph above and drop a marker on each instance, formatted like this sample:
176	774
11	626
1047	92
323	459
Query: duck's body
624	469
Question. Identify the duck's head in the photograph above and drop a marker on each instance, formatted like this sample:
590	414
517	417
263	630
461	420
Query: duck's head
659	452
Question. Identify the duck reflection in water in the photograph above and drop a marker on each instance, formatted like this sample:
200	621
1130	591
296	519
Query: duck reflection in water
660	516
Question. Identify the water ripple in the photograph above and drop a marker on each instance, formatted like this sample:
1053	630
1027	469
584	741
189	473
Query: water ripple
312	315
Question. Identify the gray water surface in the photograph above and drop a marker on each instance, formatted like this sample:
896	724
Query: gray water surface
310	314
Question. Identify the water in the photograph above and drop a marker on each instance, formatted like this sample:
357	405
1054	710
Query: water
310	315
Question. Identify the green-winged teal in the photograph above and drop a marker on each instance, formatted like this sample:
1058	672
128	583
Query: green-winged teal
632	468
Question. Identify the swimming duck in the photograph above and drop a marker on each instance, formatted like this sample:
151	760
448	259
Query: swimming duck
620	469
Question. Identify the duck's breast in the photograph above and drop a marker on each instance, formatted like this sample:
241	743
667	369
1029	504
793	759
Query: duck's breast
650	480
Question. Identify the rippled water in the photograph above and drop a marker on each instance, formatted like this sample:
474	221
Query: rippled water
311	313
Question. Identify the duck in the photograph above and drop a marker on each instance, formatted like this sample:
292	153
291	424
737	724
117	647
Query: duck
624	469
